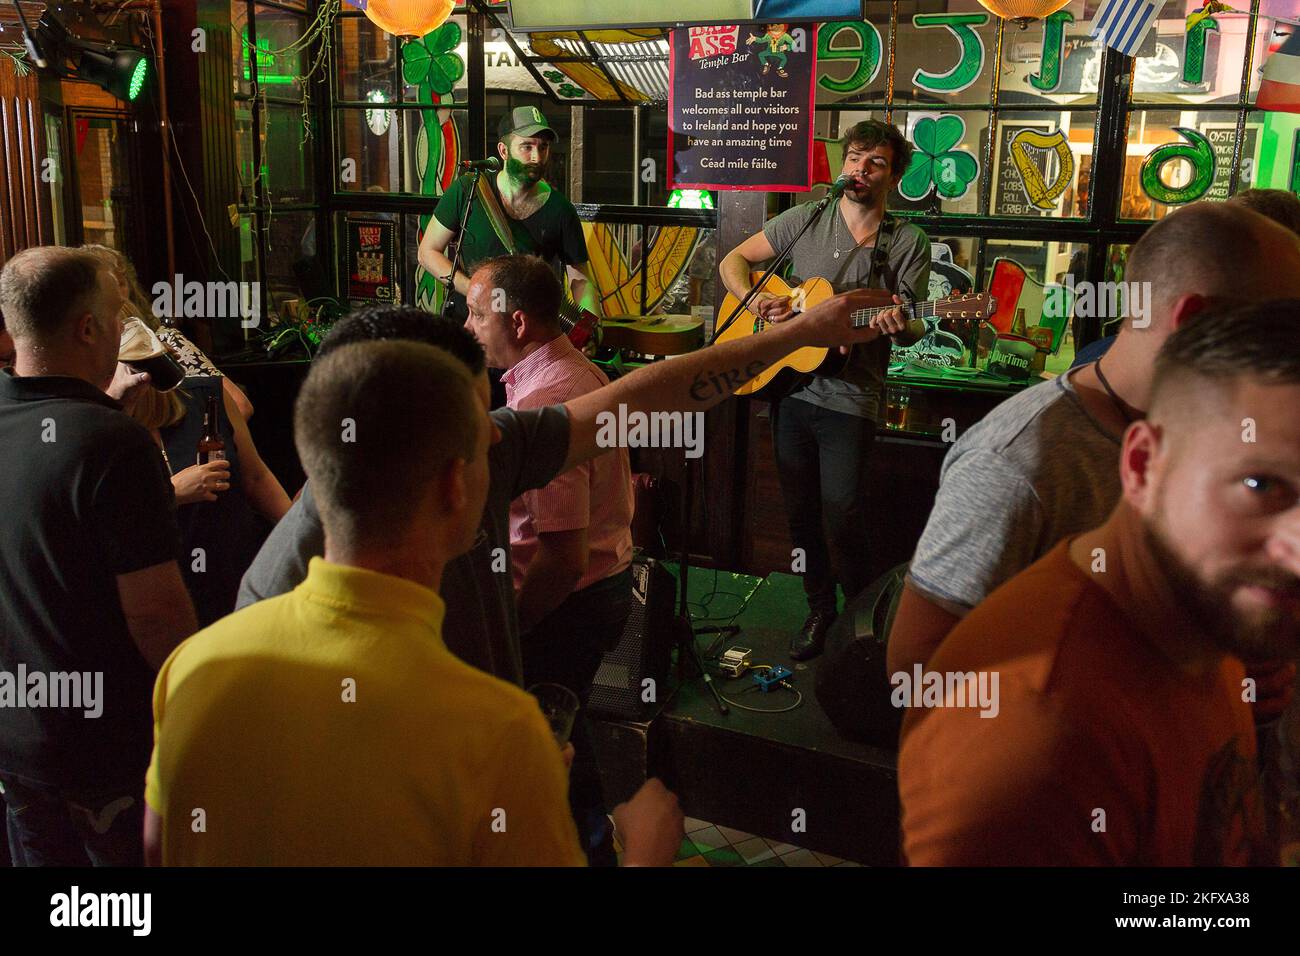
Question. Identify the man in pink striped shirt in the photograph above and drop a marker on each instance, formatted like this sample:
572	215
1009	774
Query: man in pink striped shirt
571	541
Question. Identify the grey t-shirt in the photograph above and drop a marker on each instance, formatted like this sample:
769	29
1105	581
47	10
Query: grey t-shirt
857	389
480	627
1035	470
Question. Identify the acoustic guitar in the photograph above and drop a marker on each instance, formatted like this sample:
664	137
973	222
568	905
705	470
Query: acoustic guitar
654	334
791	372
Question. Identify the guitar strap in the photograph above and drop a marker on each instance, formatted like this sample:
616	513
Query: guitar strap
496	215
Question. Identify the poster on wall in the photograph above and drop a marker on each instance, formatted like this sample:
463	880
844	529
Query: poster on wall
1222	137
370	261
740	107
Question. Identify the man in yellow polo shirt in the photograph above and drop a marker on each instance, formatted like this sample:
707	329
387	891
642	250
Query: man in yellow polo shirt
331	725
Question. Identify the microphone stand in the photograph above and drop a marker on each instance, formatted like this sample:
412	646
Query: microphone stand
450	279
820	207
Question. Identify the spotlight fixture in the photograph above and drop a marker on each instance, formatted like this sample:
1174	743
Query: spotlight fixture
119	69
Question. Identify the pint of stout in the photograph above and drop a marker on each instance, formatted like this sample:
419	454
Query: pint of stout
144	351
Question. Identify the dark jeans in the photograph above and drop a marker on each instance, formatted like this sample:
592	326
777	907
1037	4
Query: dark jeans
821	459
46	828
566	648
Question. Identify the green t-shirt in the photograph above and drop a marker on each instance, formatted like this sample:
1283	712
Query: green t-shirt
554	232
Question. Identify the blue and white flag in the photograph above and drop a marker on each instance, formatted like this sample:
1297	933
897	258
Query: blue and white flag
1123	24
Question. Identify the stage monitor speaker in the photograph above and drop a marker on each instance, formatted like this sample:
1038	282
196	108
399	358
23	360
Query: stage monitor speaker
643	652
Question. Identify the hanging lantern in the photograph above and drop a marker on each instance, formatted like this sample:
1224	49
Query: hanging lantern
408	18
1023	12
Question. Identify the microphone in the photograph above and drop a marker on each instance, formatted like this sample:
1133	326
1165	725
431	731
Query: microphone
841	184
490	165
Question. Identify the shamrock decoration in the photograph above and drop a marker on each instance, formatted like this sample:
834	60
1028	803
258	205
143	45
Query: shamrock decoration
936	163
554	75
571	91
432	61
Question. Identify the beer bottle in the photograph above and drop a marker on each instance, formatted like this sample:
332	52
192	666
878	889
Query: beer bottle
211	447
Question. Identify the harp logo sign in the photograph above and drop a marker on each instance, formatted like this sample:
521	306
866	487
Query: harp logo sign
713	41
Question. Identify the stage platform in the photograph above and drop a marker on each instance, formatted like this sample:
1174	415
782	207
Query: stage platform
786	776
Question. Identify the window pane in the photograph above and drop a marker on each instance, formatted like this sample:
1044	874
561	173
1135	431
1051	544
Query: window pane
240	50
1202	68
933	66
290	257
1039	163
439	71
244	151
1269	35
853	60
370	150
1150	129
1073	65
1031	302
366	61
279	72
287	154
948	180
608	175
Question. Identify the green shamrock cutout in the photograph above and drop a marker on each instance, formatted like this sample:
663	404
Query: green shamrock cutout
553	75
432	61
936	163
571	91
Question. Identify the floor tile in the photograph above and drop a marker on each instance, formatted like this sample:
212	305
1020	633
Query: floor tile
724	857
687	849
780	849
770	861
692	825
848	863
710	839
755	850
692	861
826	859
735	837
800	858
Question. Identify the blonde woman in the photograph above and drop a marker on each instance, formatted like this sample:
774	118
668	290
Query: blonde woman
139	305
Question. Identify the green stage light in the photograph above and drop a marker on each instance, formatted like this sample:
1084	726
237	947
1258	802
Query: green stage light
137	79
122	72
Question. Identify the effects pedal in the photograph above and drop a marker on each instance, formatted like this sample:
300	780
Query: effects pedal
735	661
773	678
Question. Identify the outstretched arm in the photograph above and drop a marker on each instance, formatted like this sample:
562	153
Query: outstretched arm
700	380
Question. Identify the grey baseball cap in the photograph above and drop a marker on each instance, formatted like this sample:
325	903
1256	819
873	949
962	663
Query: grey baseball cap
524	121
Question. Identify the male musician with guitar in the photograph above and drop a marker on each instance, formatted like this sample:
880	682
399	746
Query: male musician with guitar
515	211
824	430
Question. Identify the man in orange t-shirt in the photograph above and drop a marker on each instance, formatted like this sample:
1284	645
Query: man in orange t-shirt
1120	733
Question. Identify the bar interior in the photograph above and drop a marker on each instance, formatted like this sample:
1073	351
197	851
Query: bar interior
731	433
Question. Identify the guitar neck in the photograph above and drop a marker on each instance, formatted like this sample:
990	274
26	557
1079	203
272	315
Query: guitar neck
919	310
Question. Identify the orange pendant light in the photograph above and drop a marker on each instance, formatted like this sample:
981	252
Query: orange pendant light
409	18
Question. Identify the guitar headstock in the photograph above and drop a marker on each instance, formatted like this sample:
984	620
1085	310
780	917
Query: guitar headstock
970	305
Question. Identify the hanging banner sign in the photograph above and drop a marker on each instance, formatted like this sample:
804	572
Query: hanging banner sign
740	107
370	262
